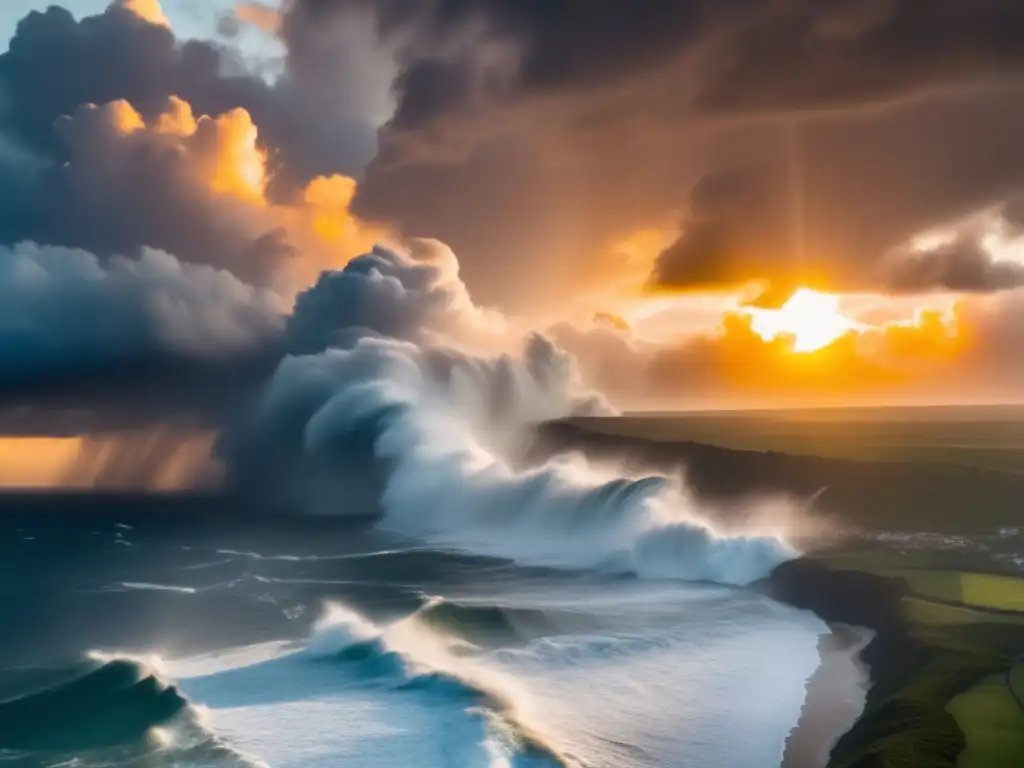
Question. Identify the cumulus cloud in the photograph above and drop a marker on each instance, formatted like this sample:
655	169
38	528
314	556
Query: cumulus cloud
387	335
522	118
128	333
55	64
967	351
416	296
148	10
191	185
962	265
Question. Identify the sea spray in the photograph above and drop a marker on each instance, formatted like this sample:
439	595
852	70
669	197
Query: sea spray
420	660
388	395
445	485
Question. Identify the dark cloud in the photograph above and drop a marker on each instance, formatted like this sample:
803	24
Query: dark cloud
798	142
841	52
519	222
134	337
526	128
963	265
55	64
124	185
430	87
724	56
564	125
738	227
842	195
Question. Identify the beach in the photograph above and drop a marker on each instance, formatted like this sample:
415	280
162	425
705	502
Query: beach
835	697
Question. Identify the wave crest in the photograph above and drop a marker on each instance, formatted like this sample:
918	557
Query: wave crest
408	656
438	428
119	701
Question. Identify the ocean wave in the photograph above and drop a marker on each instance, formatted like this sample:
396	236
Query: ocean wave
148	587
407	656
104	703
440	424
310	558
489	624
389	398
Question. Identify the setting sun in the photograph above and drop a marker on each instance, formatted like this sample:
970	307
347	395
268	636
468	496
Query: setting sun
813	320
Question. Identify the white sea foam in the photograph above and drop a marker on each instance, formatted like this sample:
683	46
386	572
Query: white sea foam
448	483
392	366
156	587
692	688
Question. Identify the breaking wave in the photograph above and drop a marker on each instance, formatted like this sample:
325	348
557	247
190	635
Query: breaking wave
447	482
409	657
488	624
100	704
386	392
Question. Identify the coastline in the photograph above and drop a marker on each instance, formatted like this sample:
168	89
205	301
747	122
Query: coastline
836	696
942	625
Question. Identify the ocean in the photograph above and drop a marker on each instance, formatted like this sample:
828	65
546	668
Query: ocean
194	639
489	612
562	613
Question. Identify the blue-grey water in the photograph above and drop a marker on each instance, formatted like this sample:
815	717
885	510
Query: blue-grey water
188	638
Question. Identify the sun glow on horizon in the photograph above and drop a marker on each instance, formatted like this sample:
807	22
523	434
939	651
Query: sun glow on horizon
811	319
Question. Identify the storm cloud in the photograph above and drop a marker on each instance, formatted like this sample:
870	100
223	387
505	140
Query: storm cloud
55	64
574	123
785	143
131	339
565	126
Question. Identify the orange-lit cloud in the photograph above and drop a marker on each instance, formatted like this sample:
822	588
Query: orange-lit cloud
147	10
960	353
259	15
200	184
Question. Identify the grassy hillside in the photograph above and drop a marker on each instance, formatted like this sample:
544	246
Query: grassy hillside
948	649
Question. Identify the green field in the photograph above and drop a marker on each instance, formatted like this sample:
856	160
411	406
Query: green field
989	437
992	722
941	696
980	590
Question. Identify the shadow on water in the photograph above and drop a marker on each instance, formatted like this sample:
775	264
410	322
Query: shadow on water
115	703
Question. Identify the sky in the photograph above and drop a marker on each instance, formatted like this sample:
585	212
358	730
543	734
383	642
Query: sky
702	203
191	18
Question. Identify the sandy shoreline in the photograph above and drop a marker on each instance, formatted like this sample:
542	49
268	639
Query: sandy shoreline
835	697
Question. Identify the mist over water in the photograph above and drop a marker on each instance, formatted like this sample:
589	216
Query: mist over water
443	423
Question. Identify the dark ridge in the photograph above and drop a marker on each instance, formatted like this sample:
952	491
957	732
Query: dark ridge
879	495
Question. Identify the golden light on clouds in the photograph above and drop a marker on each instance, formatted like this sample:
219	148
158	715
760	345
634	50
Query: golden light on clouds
222	158
811	319
259	15
147	10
